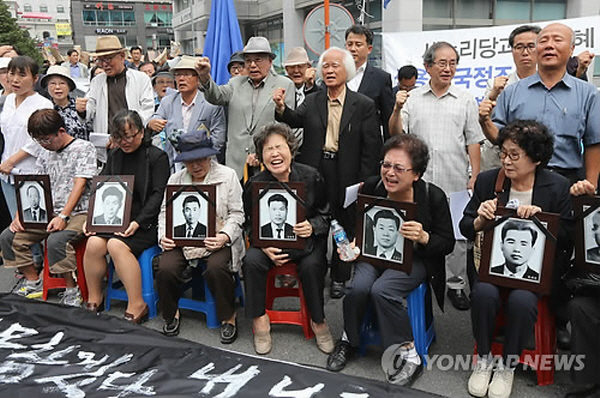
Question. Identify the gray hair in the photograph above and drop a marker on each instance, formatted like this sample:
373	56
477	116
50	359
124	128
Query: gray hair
430	52
347	61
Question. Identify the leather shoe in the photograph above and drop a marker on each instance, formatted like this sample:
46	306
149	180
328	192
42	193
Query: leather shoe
340	356
141	318
585	390
338	289
563	338
172	328
406	374
459	299
228	332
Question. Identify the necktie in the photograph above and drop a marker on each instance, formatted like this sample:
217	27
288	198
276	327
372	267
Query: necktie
299	98
382	255
189	233
34	215
278	233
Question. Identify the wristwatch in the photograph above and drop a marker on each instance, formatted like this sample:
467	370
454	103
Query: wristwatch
64	217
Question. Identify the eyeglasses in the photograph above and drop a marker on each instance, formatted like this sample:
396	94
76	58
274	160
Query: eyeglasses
126	138
106	60
398	169
237	68
514	156
165	82
444	64
185	73
522	47
45	141
256	61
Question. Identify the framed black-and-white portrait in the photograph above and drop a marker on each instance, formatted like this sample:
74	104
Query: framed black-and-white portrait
519	253
279	207
587	233
110	204
191	213
378	232
34	200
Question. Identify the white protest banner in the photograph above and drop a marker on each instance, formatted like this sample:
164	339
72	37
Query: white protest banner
484	52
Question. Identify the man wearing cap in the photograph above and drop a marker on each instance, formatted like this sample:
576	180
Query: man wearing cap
118	88
187	110
59	84
248	100
76	68
236	66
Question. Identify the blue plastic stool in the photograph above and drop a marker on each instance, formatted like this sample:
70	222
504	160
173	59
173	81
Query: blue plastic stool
207	306
114	290
417	310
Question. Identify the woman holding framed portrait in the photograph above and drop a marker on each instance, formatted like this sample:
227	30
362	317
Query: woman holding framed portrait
222	253
133	155
405	159
275	148
526	147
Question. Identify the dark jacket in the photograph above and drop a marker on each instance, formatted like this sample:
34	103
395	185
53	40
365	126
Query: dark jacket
359	139
180	231
377	85
434	214
550	193
316	209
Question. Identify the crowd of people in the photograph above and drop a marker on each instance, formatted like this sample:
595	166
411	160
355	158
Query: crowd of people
533	144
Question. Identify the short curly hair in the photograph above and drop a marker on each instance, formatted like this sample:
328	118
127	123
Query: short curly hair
415	147
531	136
275	128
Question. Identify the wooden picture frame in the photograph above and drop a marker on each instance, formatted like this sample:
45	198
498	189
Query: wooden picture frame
587	233
371	235
529	243
279	202
34	200
191	210
112	212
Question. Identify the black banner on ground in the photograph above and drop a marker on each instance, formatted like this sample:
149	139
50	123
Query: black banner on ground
51	351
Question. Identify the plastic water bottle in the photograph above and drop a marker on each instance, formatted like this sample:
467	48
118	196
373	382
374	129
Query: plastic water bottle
341	240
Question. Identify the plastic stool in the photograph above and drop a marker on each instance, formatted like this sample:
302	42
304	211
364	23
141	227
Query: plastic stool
57	282
545	343
207	306
418	304
114	291
301	317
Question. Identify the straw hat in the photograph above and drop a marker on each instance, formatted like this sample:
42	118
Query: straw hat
297	56
258	45
186	62
193	146
107	45
58	70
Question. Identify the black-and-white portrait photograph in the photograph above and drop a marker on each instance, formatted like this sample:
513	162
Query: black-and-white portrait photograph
518	250
592	236
277	215
33	202
382	238
190	216
109	206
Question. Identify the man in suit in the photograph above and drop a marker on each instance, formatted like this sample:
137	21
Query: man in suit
593	254
76	68
112	201
34	212
192	227
370	80
188	111
407	79
278	228
518	241
386	229
248	100
344	143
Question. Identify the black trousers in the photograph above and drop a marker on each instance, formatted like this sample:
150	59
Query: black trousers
311	271
219	279
584	314
520	312
387	289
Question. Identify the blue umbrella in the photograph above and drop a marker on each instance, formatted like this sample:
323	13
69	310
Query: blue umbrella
223	38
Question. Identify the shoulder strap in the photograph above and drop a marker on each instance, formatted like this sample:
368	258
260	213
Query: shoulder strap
499	187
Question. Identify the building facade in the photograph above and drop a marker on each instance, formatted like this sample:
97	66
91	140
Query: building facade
48	21
137	23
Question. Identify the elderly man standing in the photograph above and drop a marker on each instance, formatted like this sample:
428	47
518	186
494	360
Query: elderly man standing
117	89
248	100
344	141
445	117
187	111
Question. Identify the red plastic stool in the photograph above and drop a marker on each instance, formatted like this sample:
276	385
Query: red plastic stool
55	282
545	344
301	317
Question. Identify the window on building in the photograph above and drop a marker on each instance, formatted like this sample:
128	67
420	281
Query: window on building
473	9
116	18
546	10
43	8
27	8
437	9
60	9
158	18
128	18
89	17
513	9
102	18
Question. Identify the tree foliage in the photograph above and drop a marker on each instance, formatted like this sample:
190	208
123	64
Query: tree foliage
10	33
